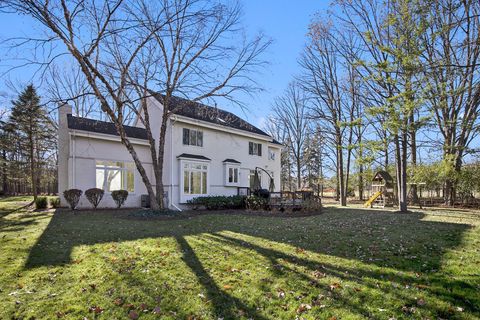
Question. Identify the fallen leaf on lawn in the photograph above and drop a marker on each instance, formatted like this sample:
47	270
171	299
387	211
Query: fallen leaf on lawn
332	318
227	287
421	286
144	307
334	286
133	315
319	274
129	306
95	309
60	314
156	310
316	301
280	293
299	250
357	289
421	302
118	301
303	308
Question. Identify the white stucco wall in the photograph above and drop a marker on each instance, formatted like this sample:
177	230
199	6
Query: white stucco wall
218	146
85	151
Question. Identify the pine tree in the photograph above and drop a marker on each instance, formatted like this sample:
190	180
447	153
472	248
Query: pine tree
33	130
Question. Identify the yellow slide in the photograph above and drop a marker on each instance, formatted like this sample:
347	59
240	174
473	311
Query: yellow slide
372	198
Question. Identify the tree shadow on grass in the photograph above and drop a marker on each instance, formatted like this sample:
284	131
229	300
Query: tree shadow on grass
445	288
223	303
340	233
370	235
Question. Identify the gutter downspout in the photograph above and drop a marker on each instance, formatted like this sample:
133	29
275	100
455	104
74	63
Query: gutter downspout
171	166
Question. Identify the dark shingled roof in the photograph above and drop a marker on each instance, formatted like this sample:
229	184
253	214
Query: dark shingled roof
385	176
198	111
85	124
231	161
192	156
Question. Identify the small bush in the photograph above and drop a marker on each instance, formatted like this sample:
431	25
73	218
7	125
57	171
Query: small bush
256	203
219	202
94	196
41	203
119	196
55	202
72	196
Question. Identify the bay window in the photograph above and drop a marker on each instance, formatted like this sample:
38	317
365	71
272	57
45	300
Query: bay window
232	174
195	178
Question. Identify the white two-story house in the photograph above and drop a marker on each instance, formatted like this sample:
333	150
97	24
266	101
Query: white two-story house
208	151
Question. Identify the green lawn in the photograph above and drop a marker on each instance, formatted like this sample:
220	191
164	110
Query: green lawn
343	264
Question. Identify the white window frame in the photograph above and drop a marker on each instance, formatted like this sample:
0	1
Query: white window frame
105	169
271	154
184	197
233	167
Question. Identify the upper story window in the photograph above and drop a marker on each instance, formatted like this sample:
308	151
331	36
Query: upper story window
255	149
192	137
271	154
115	175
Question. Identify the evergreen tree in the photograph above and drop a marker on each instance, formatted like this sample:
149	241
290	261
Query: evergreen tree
34	132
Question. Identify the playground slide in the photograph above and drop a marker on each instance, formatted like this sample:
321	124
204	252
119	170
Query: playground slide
372	198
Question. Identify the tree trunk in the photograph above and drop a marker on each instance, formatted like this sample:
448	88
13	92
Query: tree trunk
401	171
299	174
340	173
400	168
33	175
413	152
4	172
360	183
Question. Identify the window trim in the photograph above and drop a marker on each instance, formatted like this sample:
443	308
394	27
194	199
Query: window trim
271	152
124	169
233	166
184	197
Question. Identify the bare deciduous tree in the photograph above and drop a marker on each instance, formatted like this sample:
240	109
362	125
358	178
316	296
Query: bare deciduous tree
127	50
291	110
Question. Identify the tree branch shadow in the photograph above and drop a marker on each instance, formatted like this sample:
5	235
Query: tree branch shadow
224	304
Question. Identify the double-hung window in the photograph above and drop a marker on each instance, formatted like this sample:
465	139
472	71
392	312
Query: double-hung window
255	149
271	154
192	137
232	174
195	178
114	175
